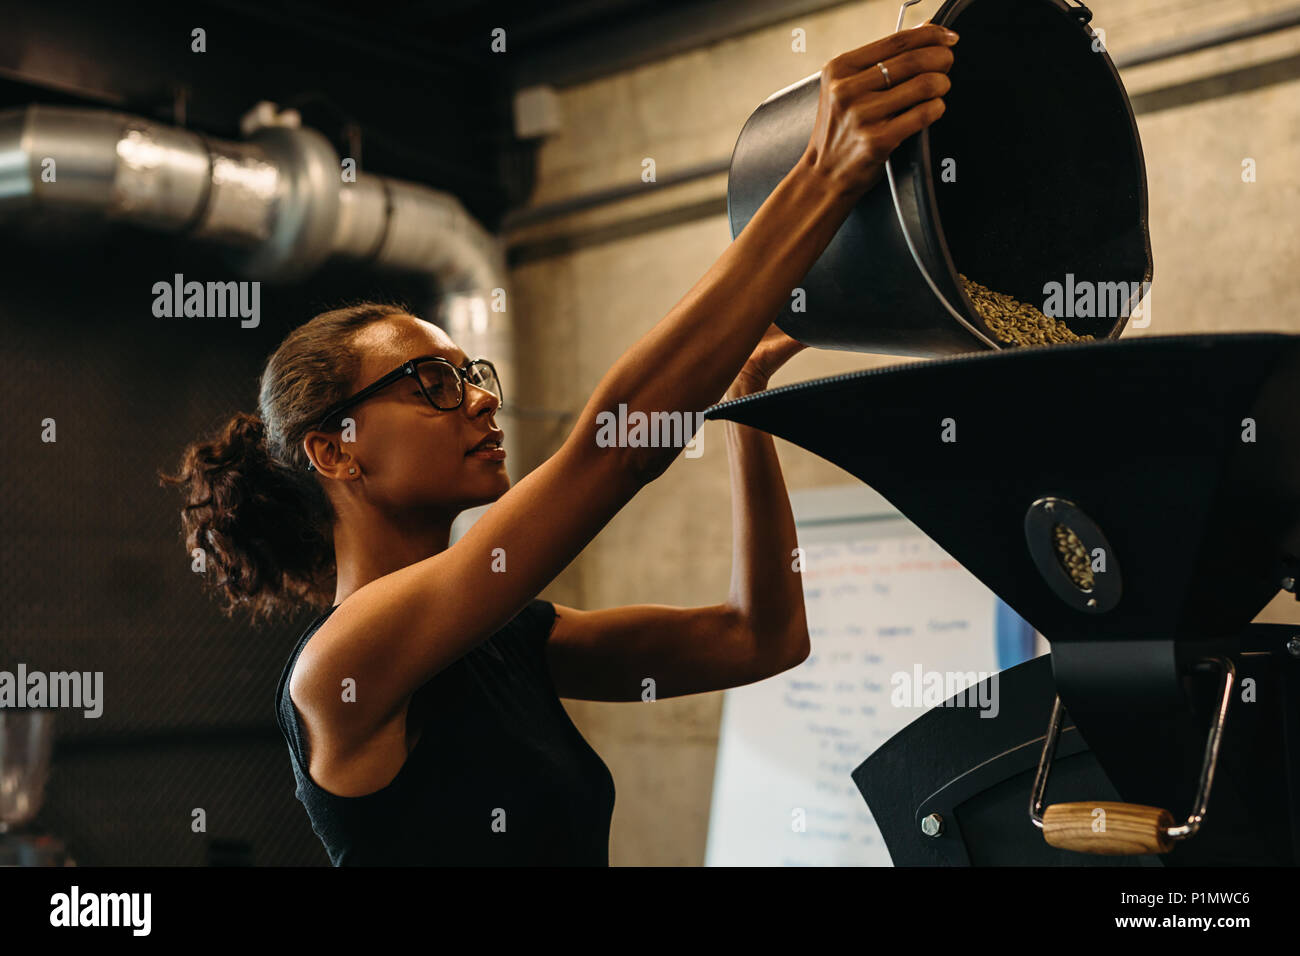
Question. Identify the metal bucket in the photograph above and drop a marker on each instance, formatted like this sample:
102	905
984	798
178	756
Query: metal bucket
1034	175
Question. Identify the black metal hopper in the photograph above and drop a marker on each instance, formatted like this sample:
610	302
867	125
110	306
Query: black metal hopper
1174	458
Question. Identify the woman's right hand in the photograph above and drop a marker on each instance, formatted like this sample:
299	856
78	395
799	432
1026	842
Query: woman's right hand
860	120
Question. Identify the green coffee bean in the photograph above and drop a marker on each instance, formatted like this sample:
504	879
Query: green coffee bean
1073	556
1014	322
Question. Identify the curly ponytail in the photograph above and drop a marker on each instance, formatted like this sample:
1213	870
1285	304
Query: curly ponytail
263	522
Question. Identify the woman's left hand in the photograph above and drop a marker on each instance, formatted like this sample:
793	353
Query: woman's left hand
774	349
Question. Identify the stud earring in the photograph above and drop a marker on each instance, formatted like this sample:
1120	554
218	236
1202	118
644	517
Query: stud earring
352	471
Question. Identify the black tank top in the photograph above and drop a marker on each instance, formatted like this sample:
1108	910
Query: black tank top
499	776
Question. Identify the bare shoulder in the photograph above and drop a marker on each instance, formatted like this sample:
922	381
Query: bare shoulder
331	678
350	753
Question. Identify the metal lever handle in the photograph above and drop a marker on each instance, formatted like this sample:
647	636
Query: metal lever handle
1128	827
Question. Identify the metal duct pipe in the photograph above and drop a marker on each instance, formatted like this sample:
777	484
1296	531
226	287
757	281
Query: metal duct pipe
277	202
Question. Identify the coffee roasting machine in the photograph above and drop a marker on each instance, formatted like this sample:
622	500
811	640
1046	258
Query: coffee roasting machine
1164	727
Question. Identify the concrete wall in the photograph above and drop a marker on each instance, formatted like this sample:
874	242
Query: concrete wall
586	287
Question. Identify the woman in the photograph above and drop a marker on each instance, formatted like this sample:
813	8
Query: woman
421	708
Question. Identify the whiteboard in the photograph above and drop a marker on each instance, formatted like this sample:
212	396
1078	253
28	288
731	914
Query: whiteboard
890	615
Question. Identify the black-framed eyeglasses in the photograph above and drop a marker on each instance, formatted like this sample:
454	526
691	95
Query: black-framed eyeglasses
440	381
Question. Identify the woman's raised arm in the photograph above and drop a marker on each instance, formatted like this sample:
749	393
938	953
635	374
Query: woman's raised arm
394	633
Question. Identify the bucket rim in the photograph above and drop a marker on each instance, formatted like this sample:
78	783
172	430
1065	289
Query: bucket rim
927	201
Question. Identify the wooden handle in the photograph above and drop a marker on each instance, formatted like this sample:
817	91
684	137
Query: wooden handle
1105	827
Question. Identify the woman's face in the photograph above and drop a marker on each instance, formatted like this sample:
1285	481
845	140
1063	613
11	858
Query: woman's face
411	456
